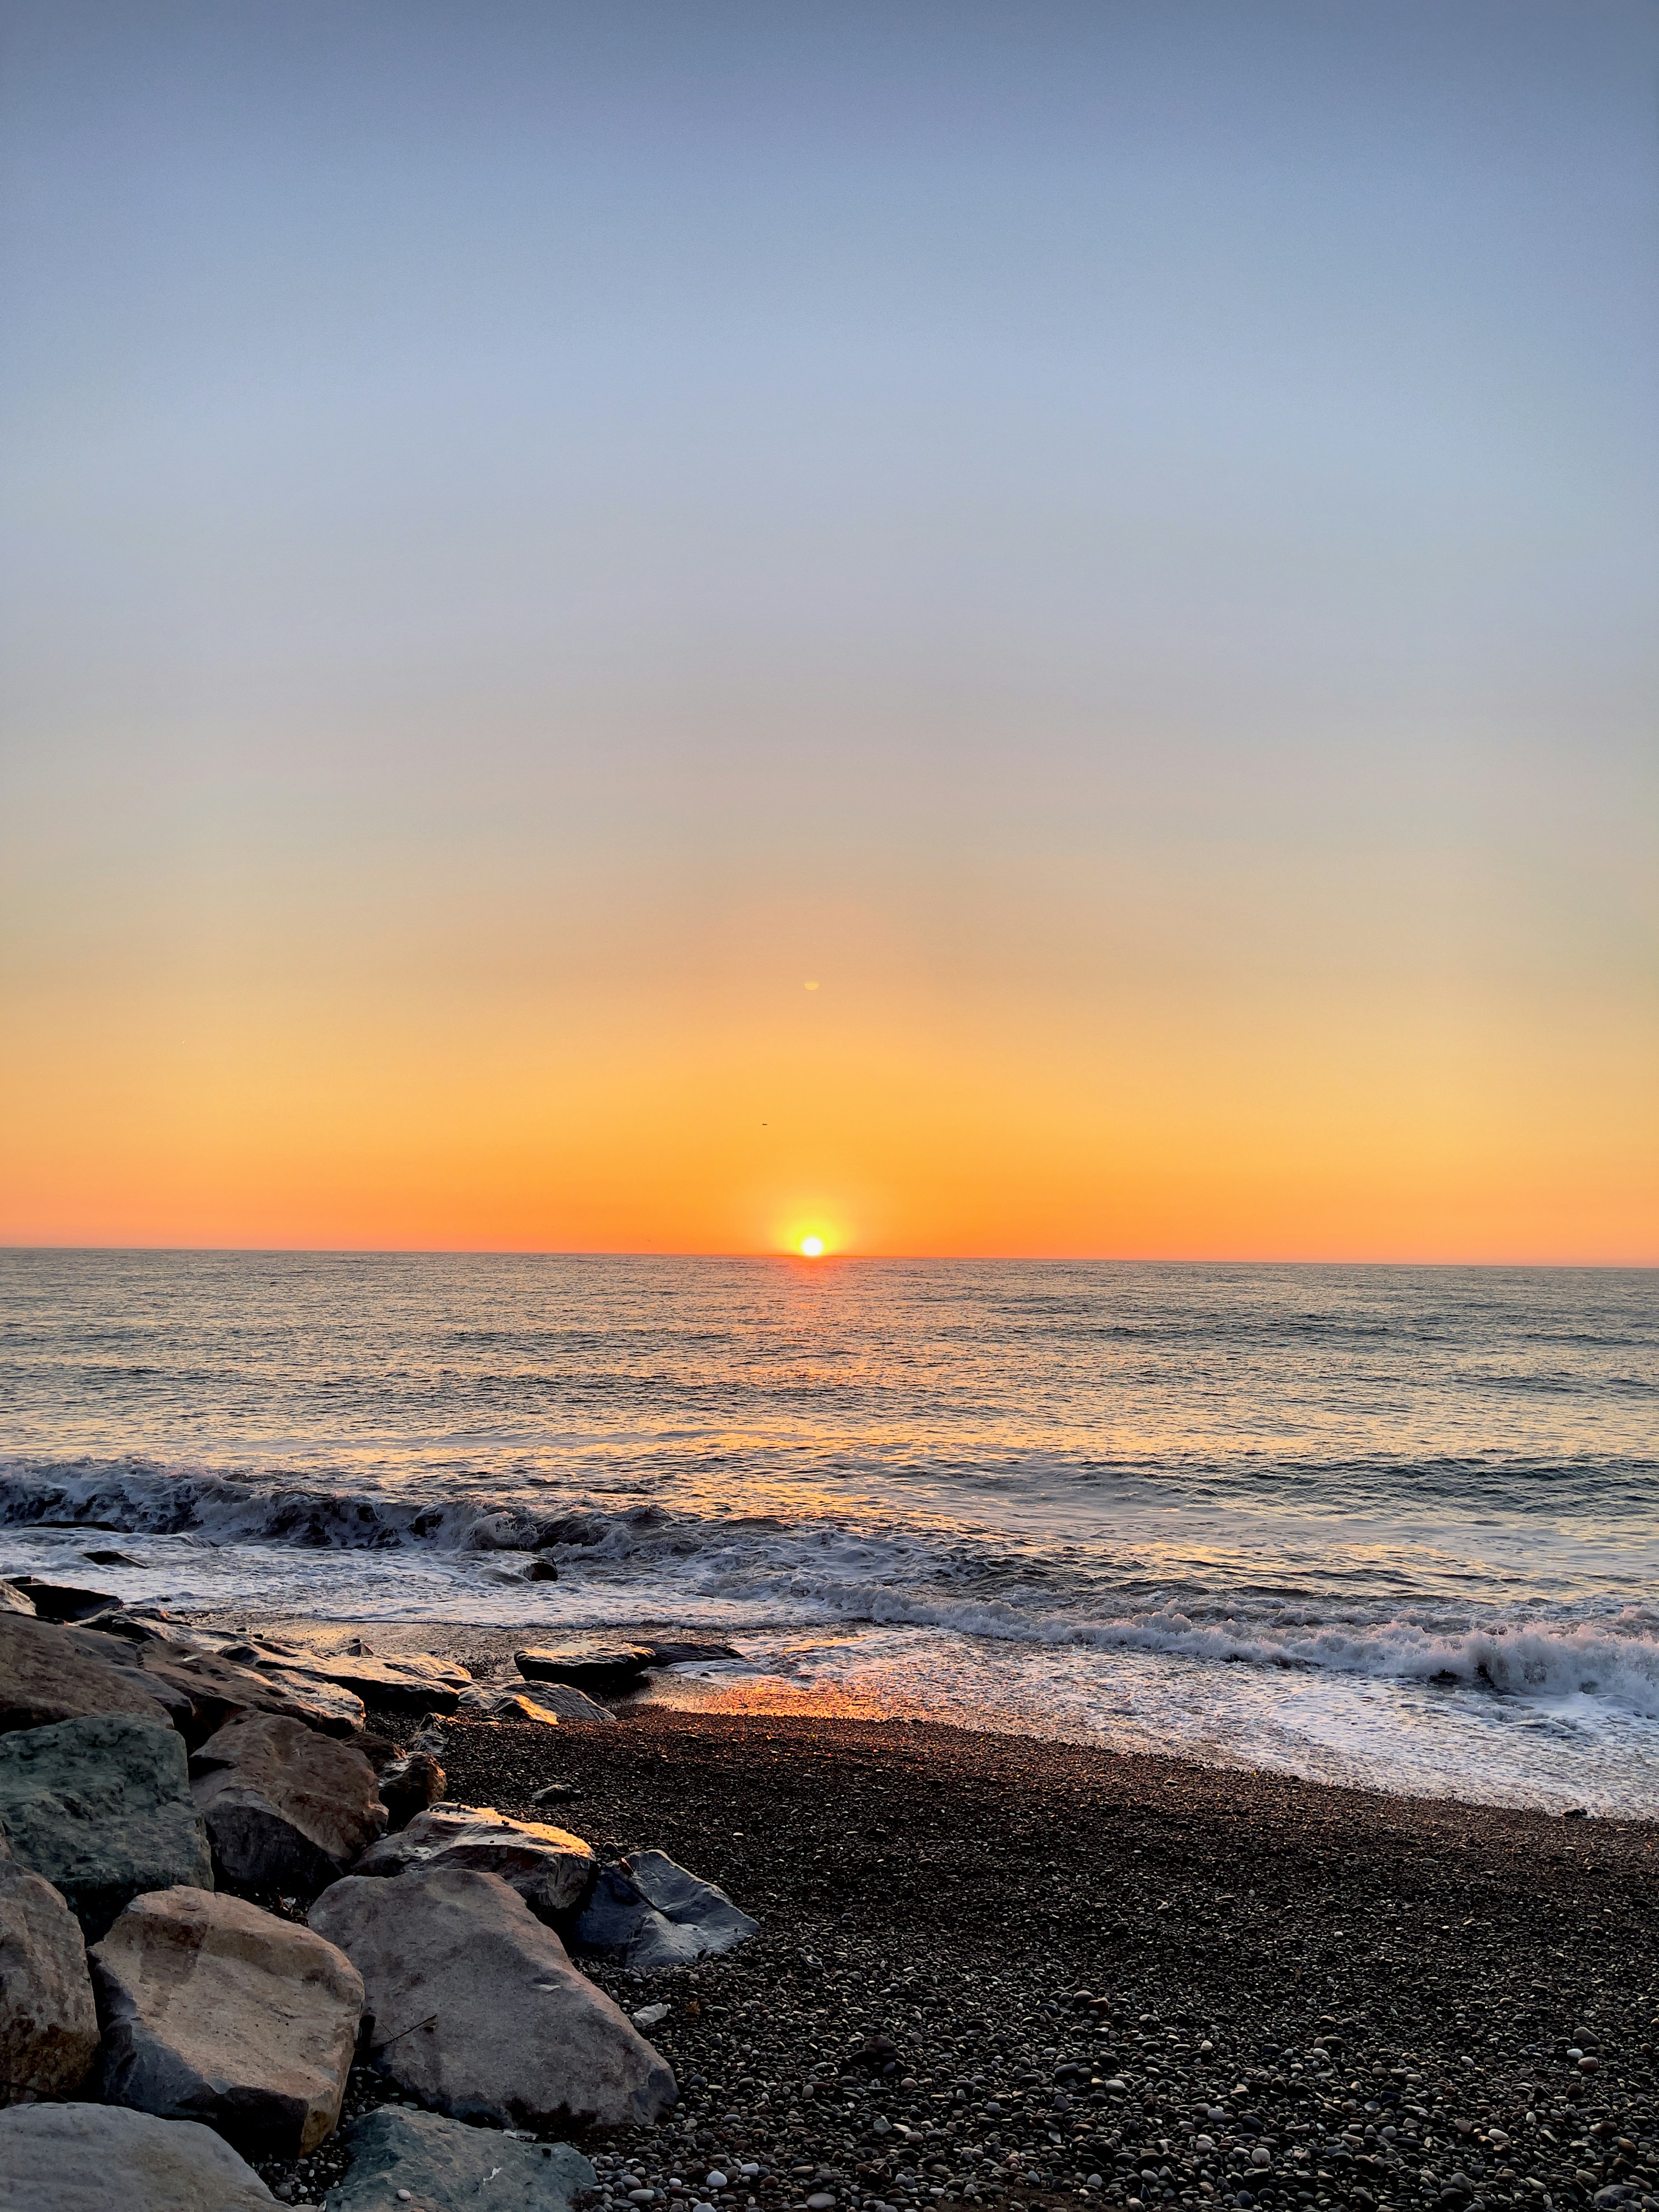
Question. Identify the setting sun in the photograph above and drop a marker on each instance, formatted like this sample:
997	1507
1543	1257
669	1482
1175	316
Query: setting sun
811	1248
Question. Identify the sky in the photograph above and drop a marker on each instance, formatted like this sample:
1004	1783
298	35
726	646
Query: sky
1022	628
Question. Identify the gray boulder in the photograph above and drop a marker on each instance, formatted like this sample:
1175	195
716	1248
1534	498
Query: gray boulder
550	1868
48	2021
101	1808
215	2011
651	1913
548	1702
45	1679
285	1808
92	2158
479	2012
445	2165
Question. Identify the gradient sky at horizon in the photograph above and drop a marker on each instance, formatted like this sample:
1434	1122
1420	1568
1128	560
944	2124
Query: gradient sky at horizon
1119	542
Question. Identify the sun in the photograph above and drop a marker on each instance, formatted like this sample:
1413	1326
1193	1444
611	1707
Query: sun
811	1248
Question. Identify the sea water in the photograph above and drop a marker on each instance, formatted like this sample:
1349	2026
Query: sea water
1389	1526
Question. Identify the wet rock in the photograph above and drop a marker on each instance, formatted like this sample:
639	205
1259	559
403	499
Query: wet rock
478	2011
45	1679
551	1703
444	2164
650	1913
548	1867
587	1667
408	1785
61	1601
215	2011
96	2158
101	1808
285	1807
48	2021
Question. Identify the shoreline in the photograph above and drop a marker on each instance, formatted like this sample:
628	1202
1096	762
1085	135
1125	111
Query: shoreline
1122	1954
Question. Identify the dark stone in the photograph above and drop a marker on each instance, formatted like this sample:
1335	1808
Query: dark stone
61	1601
585	1666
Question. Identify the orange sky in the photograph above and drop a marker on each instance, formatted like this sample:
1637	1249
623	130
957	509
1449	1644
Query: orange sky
1118	544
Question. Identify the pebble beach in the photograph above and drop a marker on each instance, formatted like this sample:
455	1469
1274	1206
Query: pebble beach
993	1970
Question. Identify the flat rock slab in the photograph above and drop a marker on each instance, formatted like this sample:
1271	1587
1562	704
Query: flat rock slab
285	1807
479	2012
589	1667
548	1867
215	2011
93	2158
43	1678
447	2165
549	1703
101	1807
651	1913
48	2021
13	1599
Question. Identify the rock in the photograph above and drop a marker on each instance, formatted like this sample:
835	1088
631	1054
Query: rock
62	1601
413	1682
478	2011
48	2021
204	1690
651	1913
92	2158
101	1807
285	1807
408	1785
549	1868
541	1570
12	1600
685	1654
215	2011
553	1701
588	1666
651	2016
45	1679
444	2164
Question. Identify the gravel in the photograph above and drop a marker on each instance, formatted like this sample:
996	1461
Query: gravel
998	1971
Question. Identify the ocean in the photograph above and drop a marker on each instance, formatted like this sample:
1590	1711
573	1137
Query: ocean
1396	1526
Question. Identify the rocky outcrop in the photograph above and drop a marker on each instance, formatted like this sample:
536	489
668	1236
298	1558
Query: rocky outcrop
478	2011
215	2011
101	1808
442	2162
650	1913
549	1868
285	1807
94	2158
12	1600
43	1678
550	1704
63	1600
48	2022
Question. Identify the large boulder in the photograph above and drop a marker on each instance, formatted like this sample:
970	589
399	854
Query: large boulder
12	1600
551	1703
438	2163
94	2158
650	1913
478	2011
48	2021
285	1808
101	1807
63	1600
550	1868
43	1678
410	1681
220	1692
591	1667
215	2011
